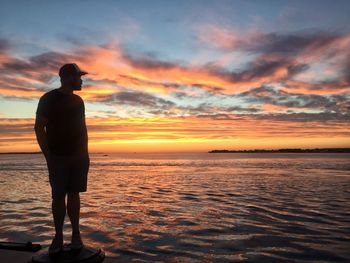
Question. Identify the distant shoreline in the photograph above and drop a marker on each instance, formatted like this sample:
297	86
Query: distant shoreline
29	152
287	150
296	150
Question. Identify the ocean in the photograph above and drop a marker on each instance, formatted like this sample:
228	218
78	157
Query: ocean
192	207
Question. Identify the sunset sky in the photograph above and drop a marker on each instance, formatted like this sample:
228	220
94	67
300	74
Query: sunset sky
191	76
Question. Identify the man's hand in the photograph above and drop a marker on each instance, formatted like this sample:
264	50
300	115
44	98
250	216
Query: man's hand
39	127
47	156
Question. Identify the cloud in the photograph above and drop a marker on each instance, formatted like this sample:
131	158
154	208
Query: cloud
290	44
346	69
274	43
266	85
208	109
46	62
150	62
341	120
268	67
23	78
145	72
138	99
269	95
4	45
242	109
282	56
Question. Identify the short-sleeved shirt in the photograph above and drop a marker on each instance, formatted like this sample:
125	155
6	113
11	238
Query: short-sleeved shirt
66	131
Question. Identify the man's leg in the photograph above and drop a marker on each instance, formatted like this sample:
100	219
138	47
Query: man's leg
59	213
73	209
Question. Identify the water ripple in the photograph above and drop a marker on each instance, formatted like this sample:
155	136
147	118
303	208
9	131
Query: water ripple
192	208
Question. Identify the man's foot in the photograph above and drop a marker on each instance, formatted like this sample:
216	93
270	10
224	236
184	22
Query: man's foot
56	244
76	242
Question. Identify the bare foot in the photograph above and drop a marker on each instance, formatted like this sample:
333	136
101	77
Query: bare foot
76	242
56	244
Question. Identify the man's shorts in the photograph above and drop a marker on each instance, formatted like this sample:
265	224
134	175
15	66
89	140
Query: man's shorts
67	174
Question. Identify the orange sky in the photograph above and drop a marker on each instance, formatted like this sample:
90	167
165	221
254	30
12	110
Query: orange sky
214	86
185	134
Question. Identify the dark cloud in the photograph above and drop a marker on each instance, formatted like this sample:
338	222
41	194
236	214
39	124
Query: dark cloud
206	108
317	86
321	117
285	44
49	61
262	67
13	126
346	69
138	81
148	61
31	75
218	116
179	94
294	69
290	44
100	82
276	51
164	113
270	95
199	109
136	98
242	109
4	45
326	118
343	103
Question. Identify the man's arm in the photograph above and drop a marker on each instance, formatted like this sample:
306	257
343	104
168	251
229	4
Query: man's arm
39	127
86	136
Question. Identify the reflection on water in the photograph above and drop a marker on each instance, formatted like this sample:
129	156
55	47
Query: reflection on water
192	207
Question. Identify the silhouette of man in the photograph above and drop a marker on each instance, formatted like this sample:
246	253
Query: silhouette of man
61	133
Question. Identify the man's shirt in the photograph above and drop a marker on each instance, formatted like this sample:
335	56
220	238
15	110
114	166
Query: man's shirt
66	129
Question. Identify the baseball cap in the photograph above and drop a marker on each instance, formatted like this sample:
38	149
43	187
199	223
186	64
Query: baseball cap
70	69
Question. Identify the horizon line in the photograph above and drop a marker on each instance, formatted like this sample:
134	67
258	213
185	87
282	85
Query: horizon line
209	151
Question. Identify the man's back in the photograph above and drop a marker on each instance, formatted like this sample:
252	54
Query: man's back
66	129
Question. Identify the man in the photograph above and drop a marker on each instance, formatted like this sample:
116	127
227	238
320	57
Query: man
62	136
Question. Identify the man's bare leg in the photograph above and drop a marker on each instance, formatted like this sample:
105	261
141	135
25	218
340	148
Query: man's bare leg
73	209
59	212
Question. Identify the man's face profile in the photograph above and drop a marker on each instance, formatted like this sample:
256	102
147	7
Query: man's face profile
74	81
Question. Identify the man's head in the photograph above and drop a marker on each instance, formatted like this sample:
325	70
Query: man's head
70	75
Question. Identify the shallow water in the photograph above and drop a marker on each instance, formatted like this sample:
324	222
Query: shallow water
192	207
